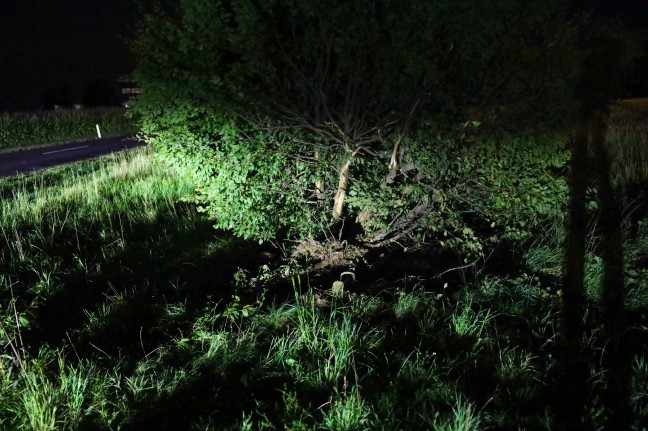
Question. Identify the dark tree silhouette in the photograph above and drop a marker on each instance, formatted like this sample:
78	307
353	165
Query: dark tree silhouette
572	373
600	83
61	94
617	358
604	65
101	92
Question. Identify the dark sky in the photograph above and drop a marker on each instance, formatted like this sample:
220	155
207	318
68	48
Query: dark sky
45	43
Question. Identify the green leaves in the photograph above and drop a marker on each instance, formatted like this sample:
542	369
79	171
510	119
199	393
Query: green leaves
253	183
257	102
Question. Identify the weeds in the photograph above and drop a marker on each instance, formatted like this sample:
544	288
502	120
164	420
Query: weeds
348	412
465	417
467	322
412	303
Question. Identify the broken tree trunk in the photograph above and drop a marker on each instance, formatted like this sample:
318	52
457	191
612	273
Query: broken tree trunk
393	163
319	183
340	195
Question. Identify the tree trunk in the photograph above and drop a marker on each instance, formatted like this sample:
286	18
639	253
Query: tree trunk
393	163
340	196
319	183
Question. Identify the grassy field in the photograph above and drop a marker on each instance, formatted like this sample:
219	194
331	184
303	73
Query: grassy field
30	128
121	308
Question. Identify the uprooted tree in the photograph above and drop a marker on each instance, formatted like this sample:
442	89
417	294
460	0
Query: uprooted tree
294	115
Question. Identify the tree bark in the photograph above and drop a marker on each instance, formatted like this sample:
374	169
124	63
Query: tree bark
340	195
393	162
394	165
319	183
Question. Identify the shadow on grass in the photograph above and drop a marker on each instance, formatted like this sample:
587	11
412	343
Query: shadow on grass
166	262
162	263
219	398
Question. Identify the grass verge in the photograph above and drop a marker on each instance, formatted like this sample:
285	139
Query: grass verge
122	308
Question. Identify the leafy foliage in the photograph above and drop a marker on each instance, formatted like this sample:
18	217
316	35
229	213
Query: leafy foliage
467	194
251	182
260	101
301	58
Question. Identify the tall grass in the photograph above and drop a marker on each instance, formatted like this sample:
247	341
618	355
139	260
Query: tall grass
130	185
51	220
29	128
628	141
55	225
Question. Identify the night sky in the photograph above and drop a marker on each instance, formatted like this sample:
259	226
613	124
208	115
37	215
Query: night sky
49	43
71	43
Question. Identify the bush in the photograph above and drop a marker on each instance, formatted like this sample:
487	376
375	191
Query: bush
260	101
466	194
253	183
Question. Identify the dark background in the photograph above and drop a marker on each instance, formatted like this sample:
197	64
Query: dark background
57	48
74	51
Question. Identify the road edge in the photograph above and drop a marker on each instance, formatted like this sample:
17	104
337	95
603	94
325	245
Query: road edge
69	141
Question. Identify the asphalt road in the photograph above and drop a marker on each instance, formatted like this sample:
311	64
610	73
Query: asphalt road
17	162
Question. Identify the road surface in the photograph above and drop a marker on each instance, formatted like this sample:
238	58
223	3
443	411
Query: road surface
17	162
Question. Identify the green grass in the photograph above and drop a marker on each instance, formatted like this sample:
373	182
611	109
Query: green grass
122	308
30	128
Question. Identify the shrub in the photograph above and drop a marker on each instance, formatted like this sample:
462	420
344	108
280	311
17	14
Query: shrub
466	194
254	183
260	101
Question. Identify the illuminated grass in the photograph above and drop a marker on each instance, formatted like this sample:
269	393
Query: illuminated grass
92	197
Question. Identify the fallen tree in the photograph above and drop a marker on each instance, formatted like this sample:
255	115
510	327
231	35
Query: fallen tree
294	117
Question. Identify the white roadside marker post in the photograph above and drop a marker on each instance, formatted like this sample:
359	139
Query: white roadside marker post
98	131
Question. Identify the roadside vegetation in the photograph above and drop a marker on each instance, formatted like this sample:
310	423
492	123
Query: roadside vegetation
350	216
122	308
19	129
